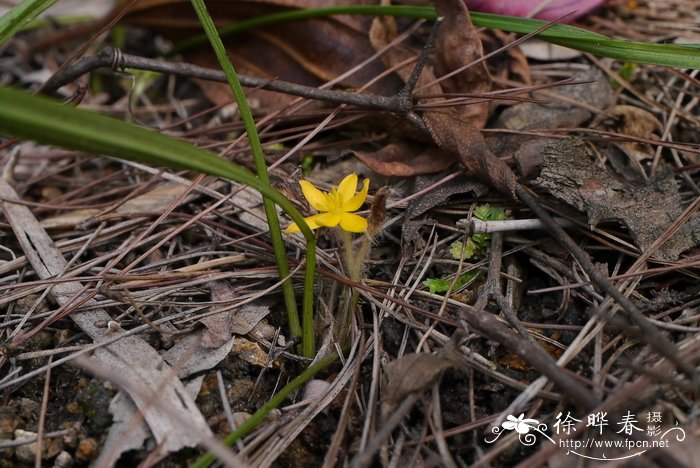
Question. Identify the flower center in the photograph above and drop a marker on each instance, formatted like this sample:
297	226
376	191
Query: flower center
335	201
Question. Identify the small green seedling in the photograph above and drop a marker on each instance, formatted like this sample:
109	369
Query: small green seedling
474	247
441	285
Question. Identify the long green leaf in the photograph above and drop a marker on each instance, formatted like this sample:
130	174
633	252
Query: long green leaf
307	347
47	121
20	15
669	55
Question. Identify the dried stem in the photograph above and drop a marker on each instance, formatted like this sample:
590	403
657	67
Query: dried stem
492	289
116	60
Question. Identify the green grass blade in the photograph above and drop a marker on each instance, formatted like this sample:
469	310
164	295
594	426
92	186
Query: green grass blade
307	347
47	121
668	55
527	25
20	15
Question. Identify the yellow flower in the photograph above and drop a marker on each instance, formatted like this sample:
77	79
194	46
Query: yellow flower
335	207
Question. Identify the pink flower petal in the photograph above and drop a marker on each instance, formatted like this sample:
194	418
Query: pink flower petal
524	8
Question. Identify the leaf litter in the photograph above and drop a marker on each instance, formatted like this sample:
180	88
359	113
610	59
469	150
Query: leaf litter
438	388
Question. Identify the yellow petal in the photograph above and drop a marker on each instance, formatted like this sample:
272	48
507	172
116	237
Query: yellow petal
311	221
356	202
323	220
353	223
347	188
317	199
292	228
315	222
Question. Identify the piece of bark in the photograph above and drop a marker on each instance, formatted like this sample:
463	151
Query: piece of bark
647	210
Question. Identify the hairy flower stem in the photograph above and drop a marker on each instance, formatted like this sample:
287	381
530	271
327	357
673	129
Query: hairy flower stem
355	259
353	266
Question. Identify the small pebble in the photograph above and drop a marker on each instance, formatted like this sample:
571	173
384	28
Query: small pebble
25	453
63	460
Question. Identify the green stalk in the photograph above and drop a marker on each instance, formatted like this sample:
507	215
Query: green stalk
20	15
44	120
307	348
670	55
273	403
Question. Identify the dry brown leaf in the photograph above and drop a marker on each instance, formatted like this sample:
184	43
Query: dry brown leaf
462	139
248	318
456	130
457	45
639	123
570	174
124	434
191	354
635	121
405	159
381	34
410	236
206	347
512	64
411	373
439	195
240	321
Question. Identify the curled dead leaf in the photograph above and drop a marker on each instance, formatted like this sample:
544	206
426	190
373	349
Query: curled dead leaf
456	130
458	47
636	122
465	141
